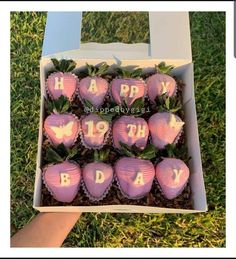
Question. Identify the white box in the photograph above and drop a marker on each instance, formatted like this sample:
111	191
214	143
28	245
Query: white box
170	42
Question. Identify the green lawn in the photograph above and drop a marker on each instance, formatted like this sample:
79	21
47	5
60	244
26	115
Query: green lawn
124	230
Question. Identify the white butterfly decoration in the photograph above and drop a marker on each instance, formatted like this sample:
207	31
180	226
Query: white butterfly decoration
63	130
173	123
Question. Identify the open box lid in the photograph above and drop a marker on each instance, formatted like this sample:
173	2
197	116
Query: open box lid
169	39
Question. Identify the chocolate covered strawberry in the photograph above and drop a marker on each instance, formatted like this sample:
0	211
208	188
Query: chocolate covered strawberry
165	128
97	176
161	83
172	175
94	88
131	131
135	176
128	87
62	128
62	82
62	180
94	131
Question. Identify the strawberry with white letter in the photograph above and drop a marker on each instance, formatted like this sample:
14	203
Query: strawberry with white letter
136	172
172	175
130	130
62	180
128	87
161	83
93	88
135	176
62	82
97	176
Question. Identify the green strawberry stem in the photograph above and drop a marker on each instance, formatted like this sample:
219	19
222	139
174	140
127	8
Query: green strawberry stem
170	149
148	153
135	109
60	105
162	68
101	155
124	73
166	103
52	156
63	65
138	106
60	153
99	70
173	151
88	104
107	116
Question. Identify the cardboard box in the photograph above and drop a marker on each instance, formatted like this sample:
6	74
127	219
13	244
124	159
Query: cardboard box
170	42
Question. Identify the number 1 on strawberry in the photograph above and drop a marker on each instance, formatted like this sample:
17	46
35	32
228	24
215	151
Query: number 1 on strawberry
101	127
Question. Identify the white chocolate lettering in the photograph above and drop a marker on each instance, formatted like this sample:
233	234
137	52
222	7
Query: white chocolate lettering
177	174
131	128
93	86
133	91
59	83
65	179
101	127
90	128
139	179
164	87
123	90
141	131
99	176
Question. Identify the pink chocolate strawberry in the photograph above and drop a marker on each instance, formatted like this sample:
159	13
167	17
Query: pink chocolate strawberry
95	131
161	83
62	180
62	128
135	176
128	88
94	88
165	128
172	175
97	177
131	131
59	84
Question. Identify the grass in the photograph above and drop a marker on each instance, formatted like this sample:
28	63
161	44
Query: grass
124	230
